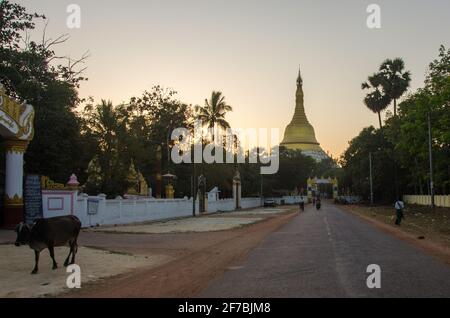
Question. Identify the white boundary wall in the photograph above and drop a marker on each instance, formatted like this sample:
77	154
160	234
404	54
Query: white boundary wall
439	200
226	205
290	199
97	210
221	205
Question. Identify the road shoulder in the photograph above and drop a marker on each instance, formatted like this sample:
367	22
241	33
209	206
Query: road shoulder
431	247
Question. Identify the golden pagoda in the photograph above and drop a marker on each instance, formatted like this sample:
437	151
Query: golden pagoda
299	134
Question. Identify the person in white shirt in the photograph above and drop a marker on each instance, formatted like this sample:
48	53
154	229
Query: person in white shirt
399	206
302	204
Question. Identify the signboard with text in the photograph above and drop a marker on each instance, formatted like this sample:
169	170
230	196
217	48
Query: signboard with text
32	198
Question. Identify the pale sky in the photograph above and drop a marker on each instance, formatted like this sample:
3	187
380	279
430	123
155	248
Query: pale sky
251	50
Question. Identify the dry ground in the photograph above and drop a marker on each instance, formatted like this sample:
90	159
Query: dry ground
16	264
160	259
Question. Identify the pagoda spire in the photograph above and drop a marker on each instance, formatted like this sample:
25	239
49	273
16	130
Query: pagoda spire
299	134
299	131
299	78
299	114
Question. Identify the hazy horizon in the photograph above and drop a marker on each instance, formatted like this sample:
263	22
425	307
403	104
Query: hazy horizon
251	52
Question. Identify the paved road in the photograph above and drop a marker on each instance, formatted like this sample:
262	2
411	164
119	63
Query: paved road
325	254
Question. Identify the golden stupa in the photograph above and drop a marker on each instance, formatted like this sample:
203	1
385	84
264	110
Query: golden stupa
299	134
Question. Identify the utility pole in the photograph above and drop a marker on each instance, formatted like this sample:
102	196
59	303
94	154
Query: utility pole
261	191
370	176
168	148
193	192
430	153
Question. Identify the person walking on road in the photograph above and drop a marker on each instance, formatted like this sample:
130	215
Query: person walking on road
399	206
302	204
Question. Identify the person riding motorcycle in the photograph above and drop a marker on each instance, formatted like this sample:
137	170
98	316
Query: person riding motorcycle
318	204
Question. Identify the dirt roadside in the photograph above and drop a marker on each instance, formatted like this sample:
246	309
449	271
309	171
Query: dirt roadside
189	274
429	243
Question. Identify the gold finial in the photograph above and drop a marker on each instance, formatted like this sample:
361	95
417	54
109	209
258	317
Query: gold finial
299	78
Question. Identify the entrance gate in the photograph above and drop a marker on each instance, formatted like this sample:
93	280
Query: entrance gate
16	128
313	186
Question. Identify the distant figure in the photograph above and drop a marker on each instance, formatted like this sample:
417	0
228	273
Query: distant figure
318	203
399	206
302	204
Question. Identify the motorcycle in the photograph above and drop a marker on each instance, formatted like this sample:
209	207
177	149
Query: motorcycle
318	205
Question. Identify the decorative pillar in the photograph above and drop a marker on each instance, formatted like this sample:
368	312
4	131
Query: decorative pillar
335	188
237	190
73	183
14	151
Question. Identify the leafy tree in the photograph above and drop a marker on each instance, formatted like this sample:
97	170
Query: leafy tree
109	169
29	71
151	120
437	78
400	149
14	20
433	100
355	163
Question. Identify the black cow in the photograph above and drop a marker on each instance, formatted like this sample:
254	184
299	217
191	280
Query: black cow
48	233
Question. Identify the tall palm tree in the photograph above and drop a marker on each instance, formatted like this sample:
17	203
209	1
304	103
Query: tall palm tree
214	111
107	126
376	100
395	79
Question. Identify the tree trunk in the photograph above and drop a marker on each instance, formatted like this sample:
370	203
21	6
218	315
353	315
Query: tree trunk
395	107
211	128
379	119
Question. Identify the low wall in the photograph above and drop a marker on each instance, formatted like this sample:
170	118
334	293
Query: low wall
221	205
100	211
290	199
225	205
97	210
247	203
439	200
